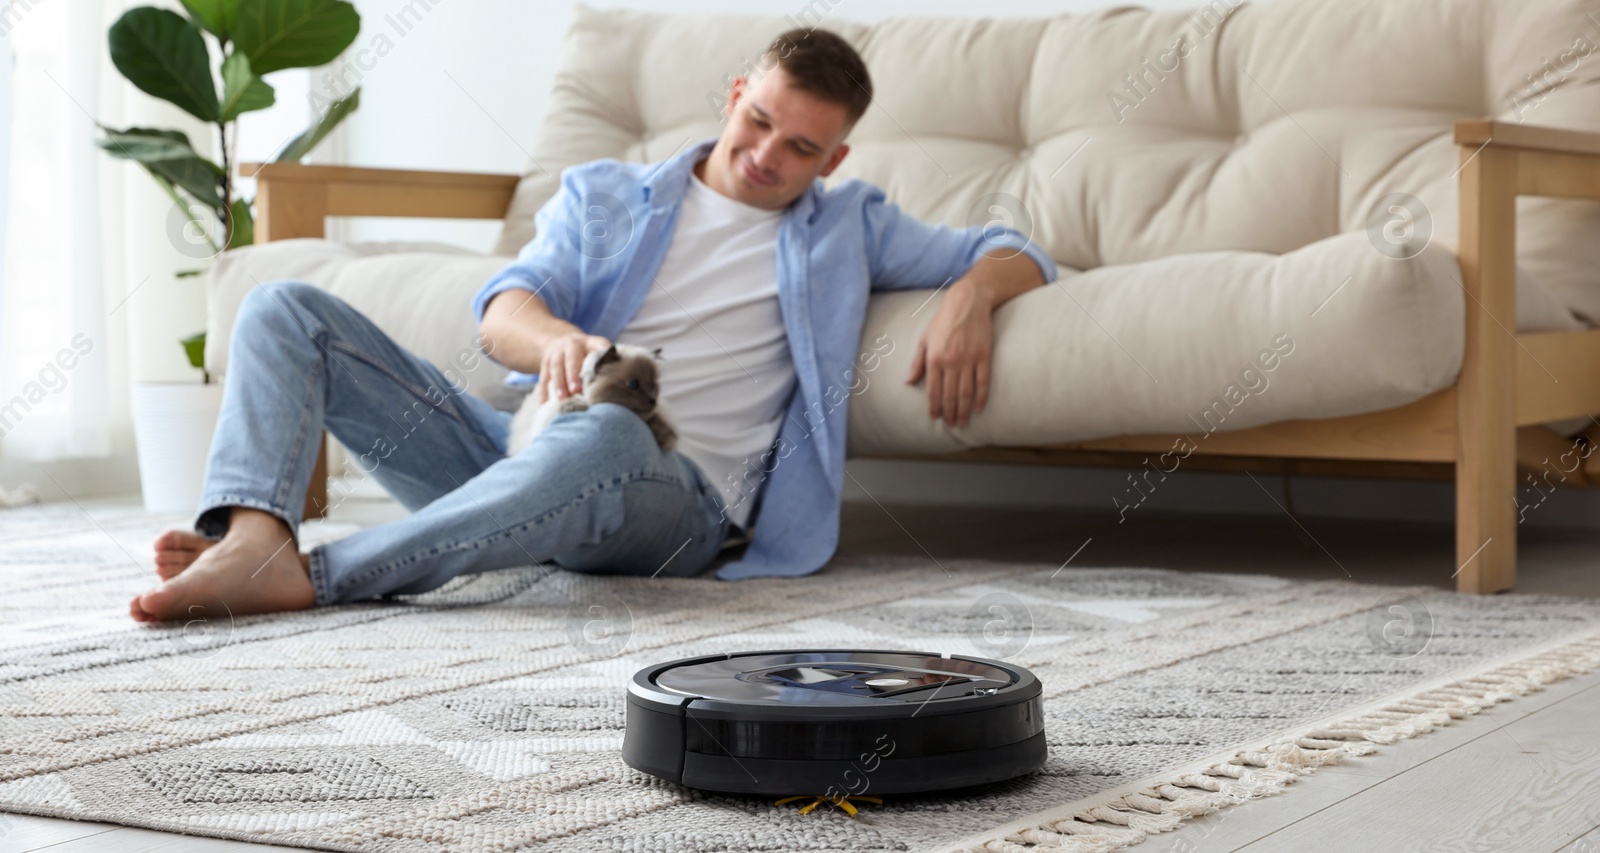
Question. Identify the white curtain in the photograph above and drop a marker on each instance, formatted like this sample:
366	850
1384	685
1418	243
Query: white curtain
61	263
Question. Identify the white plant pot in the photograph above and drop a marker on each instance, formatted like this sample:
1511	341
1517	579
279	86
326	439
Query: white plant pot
172	427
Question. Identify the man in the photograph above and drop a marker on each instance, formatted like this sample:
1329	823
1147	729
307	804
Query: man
730	256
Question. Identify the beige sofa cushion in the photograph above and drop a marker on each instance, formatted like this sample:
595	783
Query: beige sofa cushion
1134	348
1284	124
419	293
1177	345
1219	210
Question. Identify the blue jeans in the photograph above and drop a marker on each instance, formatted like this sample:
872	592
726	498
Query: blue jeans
593	493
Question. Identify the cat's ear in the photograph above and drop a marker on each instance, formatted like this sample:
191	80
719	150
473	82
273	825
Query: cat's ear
656	352
607	357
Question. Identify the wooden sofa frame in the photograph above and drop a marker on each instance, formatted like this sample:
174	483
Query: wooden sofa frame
1479	432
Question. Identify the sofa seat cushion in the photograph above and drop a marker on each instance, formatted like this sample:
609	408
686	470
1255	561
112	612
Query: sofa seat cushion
1135	348
1190	344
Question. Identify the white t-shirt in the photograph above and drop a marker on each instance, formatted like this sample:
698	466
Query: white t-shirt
726	372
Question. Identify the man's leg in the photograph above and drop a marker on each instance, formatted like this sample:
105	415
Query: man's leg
302	359
594	492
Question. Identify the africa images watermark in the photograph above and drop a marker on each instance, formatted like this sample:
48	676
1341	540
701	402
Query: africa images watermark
1252	382
12	13
51	379
748	483
339	82
1579	452
1152	72
856	780
434	397
1554	71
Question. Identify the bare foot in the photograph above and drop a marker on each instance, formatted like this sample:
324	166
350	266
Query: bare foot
176	549
256	568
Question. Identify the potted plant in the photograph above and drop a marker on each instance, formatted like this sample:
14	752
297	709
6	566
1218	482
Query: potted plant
226	47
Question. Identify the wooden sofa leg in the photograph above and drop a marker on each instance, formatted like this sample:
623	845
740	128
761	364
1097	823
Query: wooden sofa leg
317	495
1486	394
1486	519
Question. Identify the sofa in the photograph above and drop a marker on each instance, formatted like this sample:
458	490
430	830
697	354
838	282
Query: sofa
1348	237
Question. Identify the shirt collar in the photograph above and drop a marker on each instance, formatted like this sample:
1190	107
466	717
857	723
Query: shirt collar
664	188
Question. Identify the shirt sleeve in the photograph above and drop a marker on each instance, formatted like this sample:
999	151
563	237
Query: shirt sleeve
548	264
904	252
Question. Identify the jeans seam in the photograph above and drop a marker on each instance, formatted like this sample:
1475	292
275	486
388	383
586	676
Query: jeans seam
508	531
298	446
449	411
317	569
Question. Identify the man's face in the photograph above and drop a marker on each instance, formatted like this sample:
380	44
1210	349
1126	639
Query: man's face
778	139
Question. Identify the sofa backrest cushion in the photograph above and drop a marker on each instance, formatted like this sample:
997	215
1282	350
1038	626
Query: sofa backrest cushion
1128	134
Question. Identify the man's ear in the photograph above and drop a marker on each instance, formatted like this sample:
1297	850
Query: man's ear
836	159
735	92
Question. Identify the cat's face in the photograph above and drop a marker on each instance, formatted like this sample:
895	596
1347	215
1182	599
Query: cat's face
623	374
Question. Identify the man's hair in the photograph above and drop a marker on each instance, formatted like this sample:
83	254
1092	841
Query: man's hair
822	63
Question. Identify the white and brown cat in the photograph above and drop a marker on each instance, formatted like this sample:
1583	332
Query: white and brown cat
622	374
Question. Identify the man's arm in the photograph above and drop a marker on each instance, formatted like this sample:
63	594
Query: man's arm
519	311
1004	274
984	267
524	336
955	349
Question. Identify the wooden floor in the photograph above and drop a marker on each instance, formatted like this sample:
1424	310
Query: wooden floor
1524	776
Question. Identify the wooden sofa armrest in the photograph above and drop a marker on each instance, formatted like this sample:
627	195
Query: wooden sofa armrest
294	199
1506	134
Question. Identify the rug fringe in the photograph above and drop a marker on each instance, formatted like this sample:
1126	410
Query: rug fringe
1253	774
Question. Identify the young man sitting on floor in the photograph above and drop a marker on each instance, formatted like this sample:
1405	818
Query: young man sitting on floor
730	256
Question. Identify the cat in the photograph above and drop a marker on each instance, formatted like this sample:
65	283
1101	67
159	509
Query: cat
621	374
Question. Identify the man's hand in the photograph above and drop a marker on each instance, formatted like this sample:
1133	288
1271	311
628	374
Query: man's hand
561	372
955	349
954	354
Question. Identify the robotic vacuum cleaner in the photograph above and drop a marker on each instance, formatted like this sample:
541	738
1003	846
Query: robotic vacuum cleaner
834	722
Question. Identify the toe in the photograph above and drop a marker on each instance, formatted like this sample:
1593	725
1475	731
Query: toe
158	604
181	540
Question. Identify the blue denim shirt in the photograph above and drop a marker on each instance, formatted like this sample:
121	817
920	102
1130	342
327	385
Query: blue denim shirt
601	240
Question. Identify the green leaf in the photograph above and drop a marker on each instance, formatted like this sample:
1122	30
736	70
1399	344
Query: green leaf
165	56
302	144
199	178
278	34
194	347
167	155
217	16
242	90
146	144
183	205
241	227
188	273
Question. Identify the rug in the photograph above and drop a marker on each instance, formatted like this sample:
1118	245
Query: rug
488	715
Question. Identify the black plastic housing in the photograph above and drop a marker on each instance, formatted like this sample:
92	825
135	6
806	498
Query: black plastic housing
834	722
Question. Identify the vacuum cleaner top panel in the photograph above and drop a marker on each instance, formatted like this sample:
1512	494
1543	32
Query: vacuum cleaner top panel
836	678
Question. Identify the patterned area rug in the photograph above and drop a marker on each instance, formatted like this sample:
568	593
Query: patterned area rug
488	716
